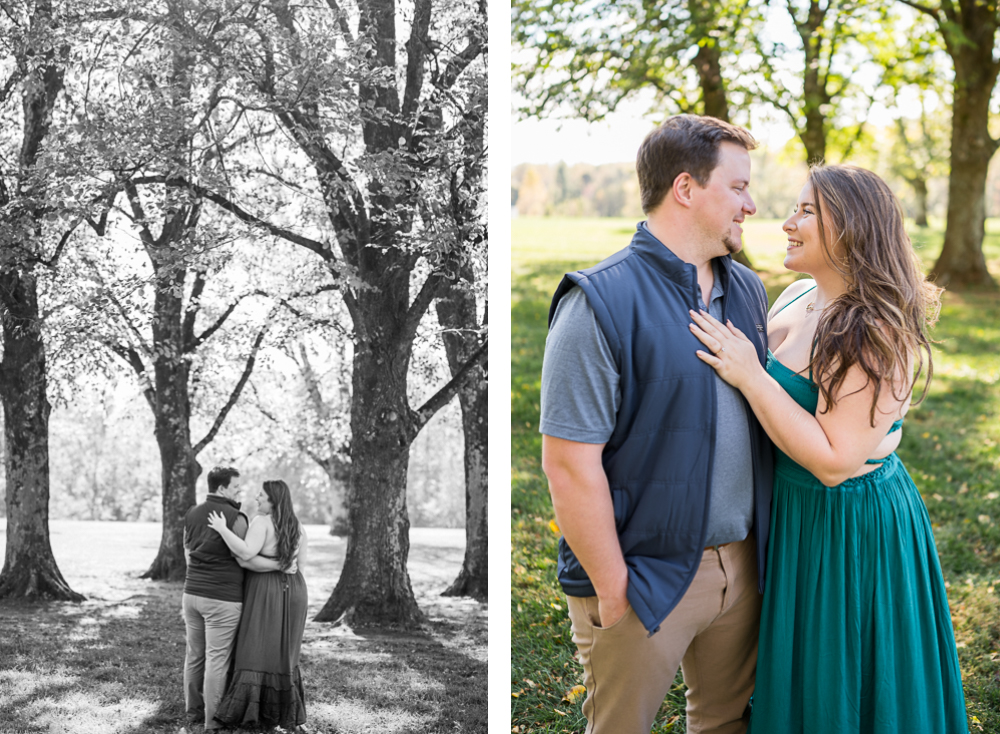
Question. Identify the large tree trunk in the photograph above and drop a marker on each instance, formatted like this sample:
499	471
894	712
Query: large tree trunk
961	262
920	189
29	570
374	587
457	314
708	64
172	411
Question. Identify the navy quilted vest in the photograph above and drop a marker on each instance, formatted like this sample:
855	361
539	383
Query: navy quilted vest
659	457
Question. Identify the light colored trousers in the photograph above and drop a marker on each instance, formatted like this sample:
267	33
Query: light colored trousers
711	635
211	631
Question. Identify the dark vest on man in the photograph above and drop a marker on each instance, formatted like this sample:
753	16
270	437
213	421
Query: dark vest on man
212	572
659	457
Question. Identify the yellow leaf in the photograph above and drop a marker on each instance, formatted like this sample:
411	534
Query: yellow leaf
926	435
554	528
561	713
515	695
975	720
574	693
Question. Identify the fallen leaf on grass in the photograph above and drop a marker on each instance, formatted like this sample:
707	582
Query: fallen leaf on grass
554	527
531	683
574	693
561	713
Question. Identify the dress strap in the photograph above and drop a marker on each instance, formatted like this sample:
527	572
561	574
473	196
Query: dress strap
794	300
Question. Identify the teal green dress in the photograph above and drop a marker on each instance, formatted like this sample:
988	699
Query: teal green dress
855	632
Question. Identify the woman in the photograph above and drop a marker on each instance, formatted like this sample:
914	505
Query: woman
855	634
265	686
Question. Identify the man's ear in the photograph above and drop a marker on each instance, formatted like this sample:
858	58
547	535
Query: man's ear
682	189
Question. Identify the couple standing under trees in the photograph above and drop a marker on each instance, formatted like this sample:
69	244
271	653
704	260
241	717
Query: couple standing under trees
725	475
262	613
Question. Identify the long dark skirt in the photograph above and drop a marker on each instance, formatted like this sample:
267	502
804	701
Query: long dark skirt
265	687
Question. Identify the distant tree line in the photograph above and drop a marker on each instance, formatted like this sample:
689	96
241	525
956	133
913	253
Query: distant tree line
612	190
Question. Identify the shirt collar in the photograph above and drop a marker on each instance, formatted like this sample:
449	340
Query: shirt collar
225	500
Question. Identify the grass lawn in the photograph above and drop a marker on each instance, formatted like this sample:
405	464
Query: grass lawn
951	445
114	664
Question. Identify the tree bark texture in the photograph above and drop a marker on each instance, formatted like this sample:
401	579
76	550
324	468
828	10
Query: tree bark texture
457	315
961	263
374	587
179	470
815	94
30	571
713	92
920	190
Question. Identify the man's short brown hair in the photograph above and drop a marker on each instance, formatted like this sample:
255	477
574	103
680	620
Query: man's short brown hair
683	144
219	477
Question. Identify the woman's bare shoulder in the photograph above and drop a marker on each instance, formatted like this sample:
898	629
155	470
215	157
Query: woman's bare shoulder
790	293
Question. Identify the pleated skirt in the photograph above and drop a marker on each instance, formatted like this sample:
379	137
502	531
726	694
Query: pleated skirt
856	635
265	687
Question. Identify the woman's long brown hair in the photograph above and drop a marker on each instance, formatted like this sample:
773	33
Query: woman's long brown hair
286	525
881	321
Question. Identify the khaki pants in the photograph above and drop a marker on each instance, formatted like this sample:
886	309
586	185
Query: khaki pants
211	631
711	634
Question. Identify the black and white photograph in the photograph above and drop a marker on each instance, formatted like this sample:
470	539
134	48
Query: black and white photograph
243	366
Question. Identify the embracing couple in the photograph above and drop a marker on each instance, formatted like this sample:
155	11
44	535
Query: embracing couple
725	475
263	616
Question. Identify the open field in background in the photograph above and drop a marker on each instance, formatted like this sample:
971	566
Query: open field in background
114	664
951	445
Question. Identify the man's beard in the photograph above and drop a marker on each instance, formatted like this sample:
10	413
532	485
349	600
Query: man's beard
732	245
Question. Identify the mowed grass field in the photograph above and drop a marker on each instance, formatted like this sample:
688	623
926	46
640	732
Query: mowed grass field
951	445
114	664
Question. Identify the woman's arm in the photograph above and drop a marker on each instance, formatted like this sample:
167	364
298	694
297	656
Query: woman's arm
831	445
303	554
262	564
242	548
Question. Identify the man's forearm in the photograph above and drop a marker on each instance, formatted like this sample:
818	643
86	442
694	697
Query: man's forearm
582	503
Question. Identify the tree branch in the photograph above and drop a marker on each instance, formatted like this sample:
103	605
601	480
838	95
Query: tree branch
415	49
428	292
139	215
933	12
341	20
222	202
235	395
133	359
443	396
191	312
205	335
51	262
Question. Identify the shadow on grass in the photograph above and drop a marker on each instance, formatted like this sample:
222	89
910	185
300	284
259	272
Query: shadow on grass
116	668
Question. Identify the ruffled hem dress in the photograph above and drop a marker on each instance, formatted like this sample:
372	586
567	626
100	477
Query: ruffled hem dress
265	687
855	635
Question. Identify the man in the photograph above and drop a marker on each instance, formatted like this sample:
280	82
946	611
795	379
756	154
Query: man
659	473
213	594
